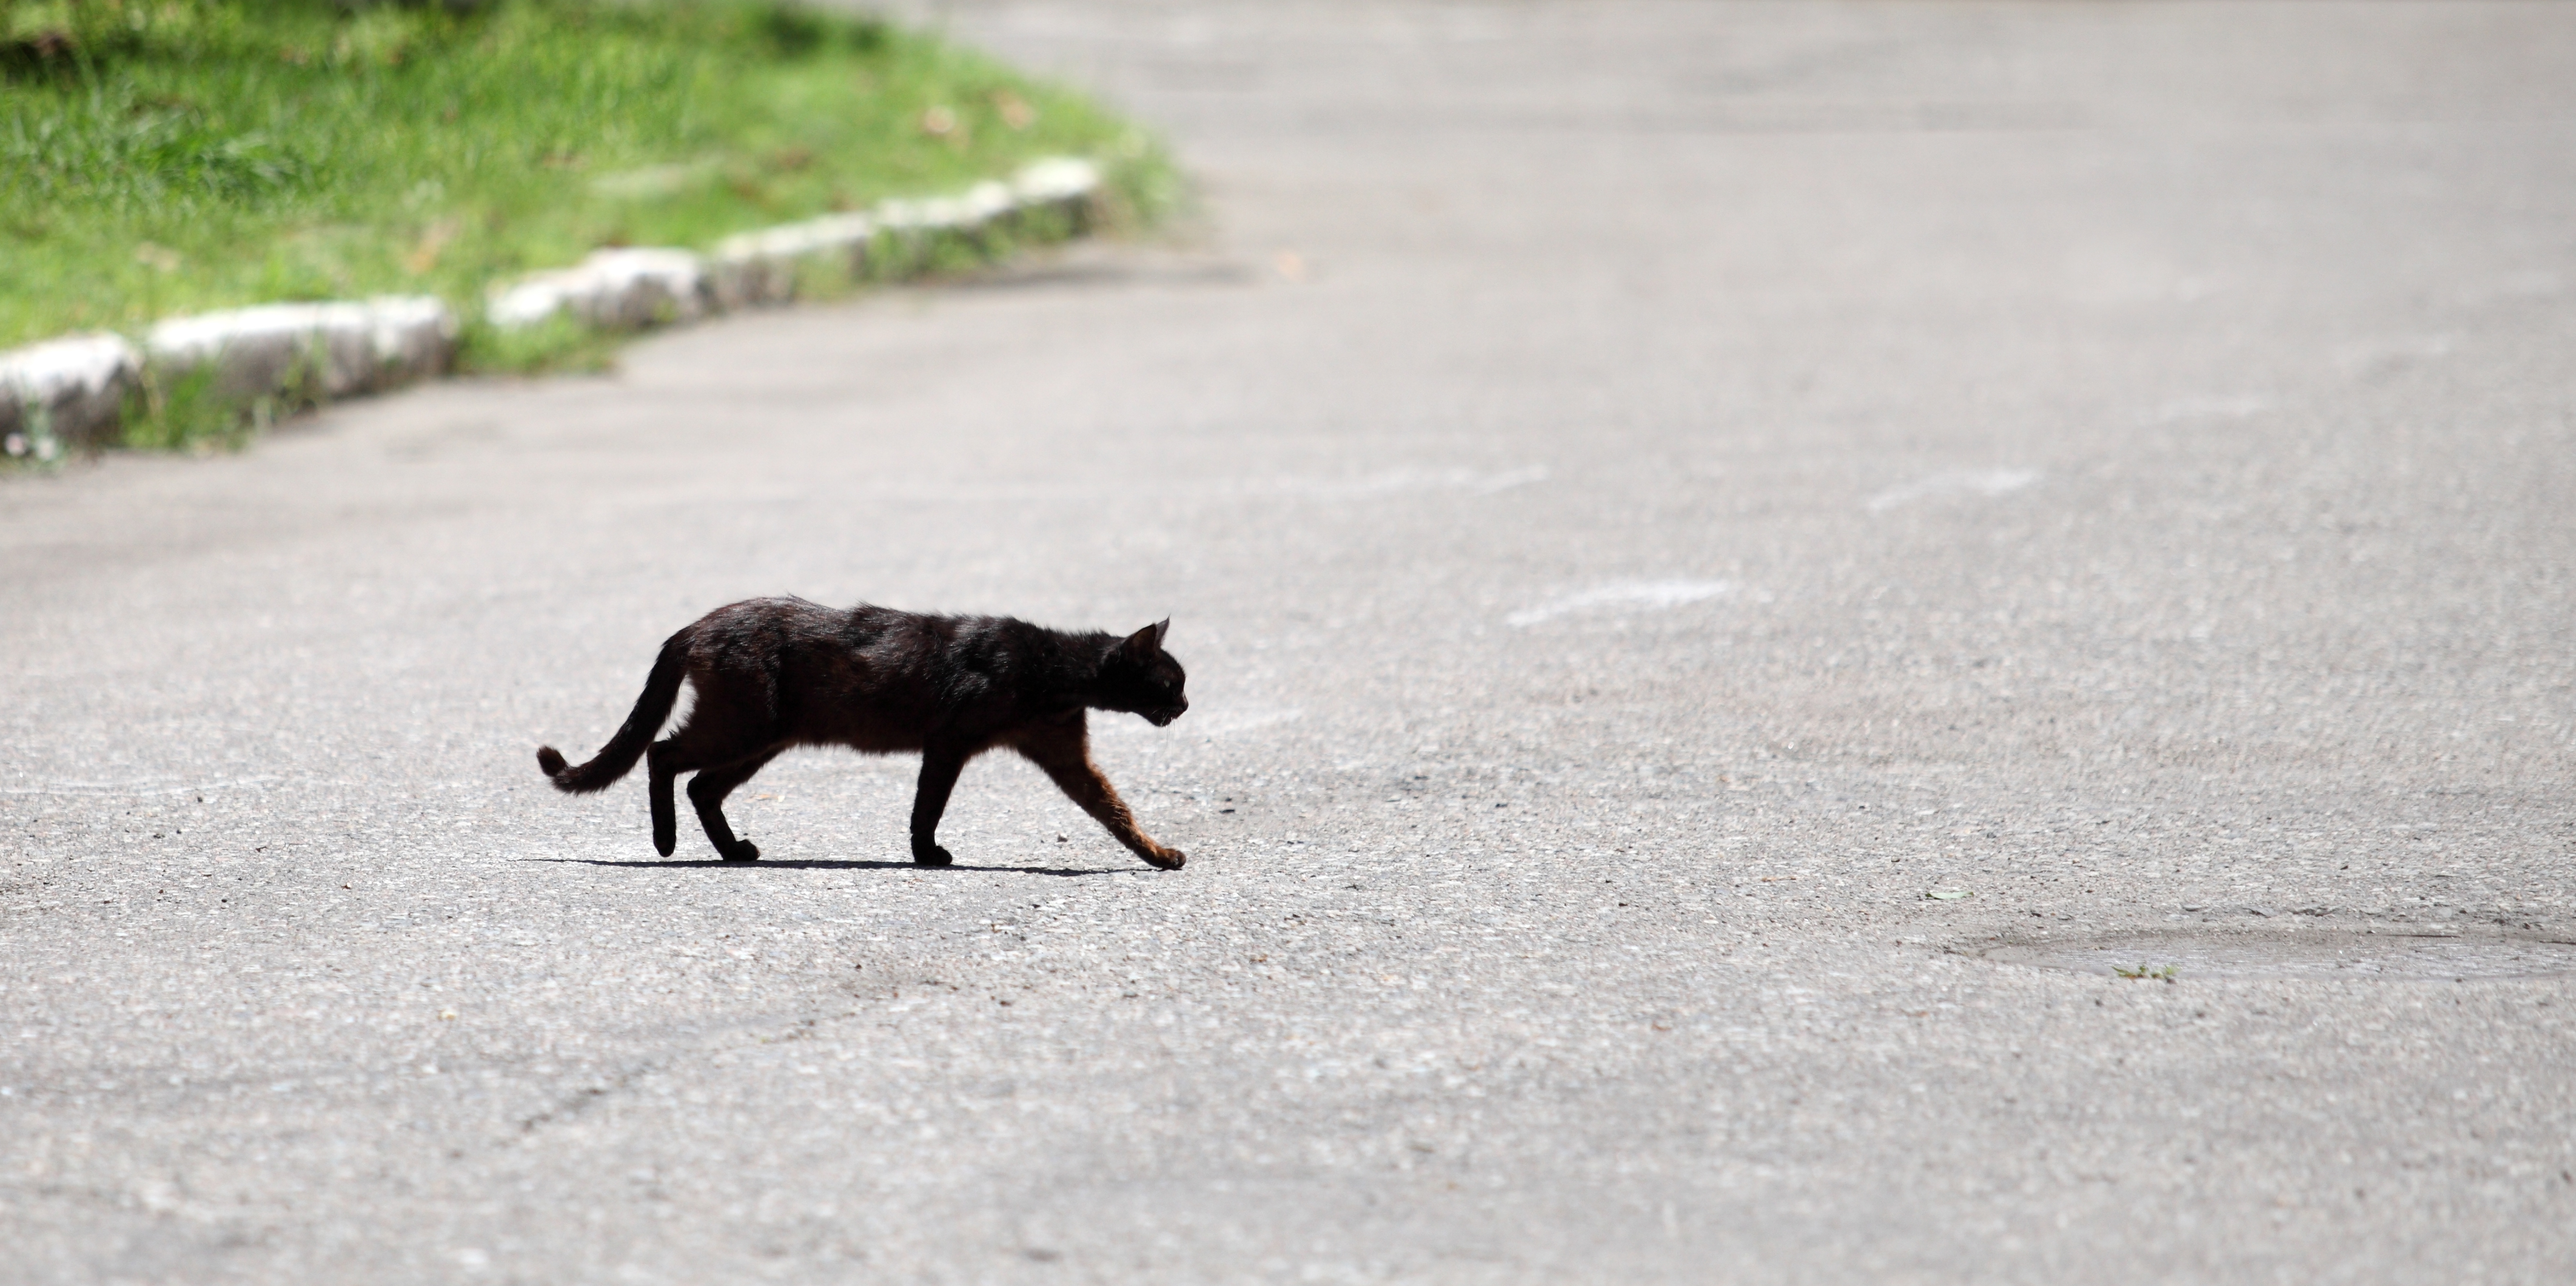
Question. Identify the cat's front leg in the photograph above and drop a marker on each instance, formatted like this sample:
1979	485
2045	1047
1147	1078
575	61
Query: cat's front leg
1066	757
939	769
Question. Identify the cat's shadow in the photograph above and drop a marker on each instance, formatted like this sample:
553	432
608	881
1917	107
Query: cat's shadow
849	864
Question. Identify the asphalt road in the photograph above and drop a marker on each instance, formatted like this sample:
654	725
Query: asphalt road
1647	494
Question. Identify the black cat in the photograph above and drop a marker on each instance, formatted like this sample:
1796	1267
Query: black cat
773	673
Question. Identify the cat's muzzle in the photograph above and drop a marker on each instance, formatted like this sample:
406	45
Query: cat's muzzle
1163	718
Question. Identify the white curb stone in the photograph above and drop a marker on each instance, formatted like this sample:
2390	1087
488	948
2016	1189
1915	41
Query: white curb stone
64	391
334	349
623	289
761	267
1063	181
985	202
965	213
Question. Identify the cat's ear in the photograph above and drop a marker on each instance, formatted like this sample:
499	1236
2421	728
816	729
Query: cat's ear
1144	643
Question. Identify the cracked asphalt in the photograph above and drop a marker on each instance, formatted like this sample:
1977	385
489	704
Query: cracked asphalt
1689	525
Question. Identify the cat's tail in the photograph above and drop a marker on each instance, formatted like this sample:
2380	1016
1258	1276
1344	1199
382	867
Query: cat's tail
617	758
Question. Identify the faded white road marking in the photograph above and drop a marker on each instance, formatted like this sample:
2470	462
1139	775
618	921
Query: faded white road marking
2536	284
1508	479
2382	357
1472	481
1984	482
1640	595
2204	408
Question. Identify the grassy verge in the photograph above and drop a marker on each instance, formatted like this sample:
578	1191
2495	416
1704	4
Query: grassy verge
173	156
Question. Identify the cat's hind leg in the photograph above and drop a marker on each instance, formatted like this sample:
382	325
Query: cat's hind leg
729	724
663	763
707	792
686	751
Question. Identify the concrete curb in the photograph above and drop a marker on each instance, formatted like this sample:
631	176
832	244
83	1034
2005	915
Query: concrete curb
628	289
625	289
58	393
69	394
325	350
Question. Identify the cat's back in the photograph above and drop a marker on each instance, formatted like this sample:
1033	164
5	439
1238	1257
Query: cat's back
782	627
897	641
763	628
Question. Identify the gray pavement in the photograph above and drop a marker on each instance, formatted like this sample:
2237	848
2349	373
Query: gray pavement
1647	494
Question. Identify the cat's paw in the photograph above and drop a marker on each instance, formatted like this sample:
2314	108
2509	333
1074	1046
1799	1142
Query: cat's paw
743	850
931	856
1169	859
665	841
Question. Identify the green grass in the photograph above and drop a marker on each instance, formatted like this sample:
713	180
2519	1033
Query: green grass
173	156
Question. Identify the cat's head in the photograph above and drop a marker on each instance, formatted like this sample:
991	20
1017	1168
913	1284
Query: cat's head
1139	677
